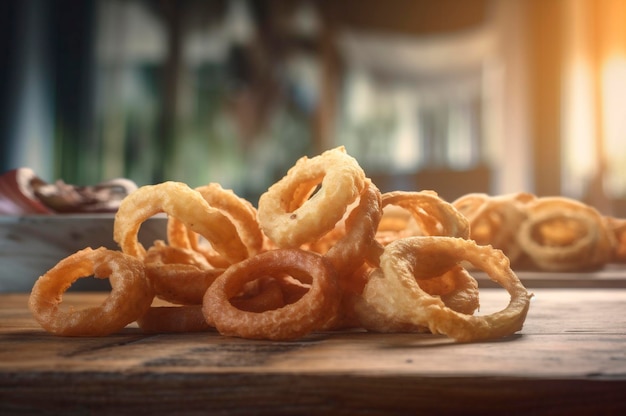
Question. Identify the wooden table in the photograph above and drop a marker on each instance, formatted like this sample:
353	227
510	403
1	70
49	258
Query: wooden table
570	358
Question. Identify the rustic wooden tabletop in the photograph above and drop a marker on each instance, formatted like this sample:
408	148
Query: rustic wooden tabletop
570	358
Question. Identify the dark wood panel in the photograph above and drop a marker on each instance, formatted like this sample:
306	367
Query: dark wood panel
570	356
412	17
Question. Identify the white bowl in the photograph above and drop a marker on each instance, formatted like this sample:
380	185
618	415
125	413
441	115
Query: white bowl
31	245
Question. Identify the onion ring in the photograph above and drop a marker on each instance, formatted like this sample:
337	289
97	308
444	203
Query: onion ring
561	234
351	288
494	220
397	301
288	214
433	215
129	299
293	320
240	211
182	284
354	252
358	244
177	200
456	288
160	252
178	275
618	227
395	223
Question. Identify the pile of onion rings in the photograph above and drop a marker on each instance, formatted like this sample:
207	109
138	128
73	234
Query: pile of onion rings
555	234
323	250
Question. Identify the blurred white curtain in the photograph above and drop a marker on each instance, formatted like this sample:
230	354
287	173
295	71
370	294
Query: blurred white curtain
594	96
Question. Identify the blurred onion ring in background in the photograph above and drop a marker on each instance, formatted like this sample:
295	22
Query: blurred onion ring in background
562	234
618	227
494	220
130	297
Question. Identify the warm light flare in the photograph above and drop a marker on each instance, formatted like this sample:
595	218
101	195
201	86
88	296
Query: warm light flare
579	150
594	99
614	122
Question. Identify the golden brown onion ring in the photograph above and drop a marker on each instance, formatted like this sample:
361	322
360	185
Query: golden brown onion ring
240	211
291	217
393	299
494	220
292	321
618	227
130	296
358	243
561	234
179	276
434	215
177	200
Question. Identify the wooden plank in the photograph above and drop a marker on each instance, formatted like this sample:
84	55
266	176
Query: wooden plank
568	333
571	353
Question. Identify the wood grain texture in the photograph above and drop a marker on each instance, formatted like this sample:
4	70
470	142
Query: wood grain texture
569	357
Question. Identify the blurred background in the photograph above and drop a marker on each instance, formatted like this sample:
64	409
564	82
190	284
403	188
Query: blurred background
458	96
